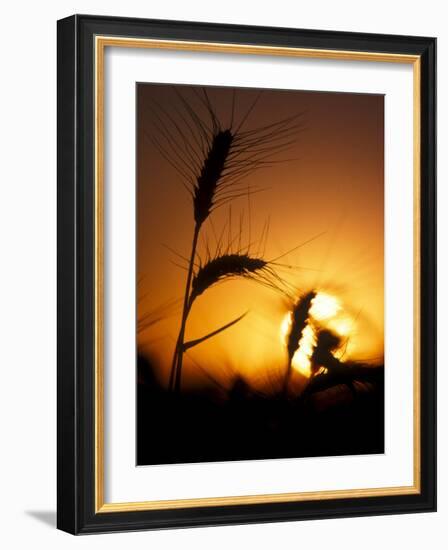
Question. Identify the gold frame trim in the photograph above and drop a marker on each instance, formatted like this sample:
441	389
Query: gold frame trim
101	42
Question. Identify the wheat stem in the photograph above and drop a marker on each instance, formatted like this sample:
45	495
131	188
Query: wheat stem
299	319
176	367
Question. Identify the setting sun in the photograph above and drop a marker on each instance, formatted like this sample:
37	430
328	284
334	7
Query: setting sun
327	312
324	306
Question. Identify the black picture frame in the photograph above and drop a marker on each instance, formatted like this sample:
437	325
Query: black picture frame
76	511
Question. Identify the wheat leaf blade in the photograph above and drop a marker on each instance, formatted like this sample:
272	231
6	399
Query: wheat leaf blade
192	343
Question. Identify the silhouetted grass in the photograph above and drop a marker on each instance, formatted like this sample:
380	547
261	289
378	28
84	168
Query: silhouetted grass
215	423
213	159
299	319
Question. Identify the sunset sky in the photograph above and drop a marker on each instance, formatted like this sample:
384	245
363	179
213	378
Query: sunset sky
329	188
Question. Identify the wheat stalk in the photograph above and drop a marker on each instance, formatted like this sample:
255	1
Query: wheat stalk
223	267
207	183
299	319
204	195
338	372
212	160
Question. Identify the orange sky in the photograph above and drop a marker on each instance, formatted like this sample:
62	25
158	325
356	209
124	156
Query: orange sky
335	186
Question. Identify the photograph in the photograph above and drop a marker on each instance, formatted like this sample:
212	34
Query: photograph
259	273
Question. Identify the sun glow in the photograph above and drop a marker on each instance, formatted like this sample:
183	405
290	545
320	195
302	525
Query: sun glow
285	327
324	306
342	326
302	357
301	360
326	310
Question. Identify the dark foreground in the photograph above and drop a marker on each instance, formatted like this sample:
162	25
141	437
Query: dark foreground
333	419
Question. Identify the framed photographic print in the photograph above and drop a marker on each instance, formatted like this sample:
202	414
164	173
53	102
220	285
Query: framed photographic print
246	274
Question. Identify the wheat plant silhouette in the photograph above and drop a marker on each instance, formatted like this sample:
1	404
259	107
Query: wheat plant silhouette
212	158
